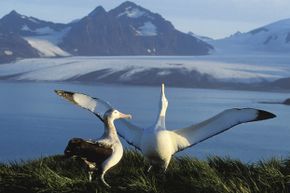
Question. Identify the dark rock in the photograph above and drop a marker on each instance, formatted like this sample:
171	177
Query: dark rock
268	40
95	34
287	102
283	83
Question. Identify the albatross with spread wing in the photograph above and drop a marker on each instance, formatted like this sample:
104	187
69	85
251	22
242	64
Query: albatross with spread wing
158	144
104	152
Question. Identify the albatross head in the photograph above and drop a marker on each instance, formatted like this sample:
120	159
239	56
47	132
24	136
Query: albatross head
114	114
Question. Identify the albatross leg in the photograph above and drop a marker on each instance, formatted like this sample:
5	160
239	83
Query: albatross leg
149	168
165	164
91	167
90	175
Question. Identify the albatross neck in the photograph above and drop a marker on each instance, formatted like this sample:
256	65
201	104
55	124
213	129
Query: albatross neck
163	104
110	129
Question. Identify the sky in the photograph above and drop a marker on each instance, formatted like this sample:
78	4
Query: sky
212	18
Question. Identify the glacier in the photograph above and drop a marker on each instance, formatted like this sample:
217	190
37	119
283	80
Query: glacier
231	69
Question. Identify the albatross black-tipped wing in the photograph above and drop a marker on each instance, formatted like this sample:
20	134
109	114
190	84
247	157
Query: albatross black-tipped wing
128	131
194	134
97	106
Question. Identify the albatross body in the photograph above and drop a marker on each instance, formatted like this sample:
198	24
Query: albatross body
158	144
103	153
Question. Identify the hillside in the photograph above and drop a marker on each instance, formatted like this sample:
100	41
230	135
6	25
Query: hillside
215	175
13	47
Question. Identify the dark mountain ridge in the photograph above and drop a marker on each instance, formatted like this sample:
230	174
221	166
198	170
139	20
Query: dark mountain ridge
26	26
128	29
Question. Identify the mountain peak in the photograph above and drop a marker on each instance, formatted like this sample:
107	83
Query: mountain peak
129	9
98	11
128	4
14	13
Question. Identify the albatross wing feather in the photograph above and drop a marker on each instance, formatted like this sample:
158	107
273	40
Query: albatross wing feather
194	134
95	105
128	131
89	150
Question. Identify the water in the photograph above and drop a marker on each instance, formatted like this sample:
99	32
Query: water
35	122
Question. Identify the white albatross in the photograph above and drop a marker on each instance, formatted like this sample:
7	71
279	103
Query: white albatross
103	153
158	144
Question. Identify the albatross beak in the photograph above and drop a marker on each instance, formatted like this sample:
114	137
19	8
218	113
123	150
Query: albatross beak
125	116
65	94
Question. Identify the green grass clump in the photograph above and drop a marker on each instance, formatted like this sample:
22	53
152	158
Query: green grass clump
216	175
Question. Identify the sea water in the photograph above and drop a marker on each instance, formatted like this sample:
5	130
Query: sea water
35	122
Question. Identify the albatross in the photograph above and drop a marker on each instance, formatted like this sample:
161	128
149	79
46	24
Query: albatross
103	153
158	144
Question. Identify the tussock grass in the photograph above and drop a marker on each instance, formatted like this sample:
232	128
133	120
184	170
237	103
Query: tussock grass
216	175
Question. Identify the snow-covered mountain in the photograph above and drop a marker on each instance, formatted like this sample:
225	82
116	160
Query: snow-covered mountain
274	37
41	35
27	26
13	47
129	29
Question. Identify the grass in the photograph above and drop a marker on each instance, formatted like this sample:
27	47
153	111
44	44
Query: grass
216	175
